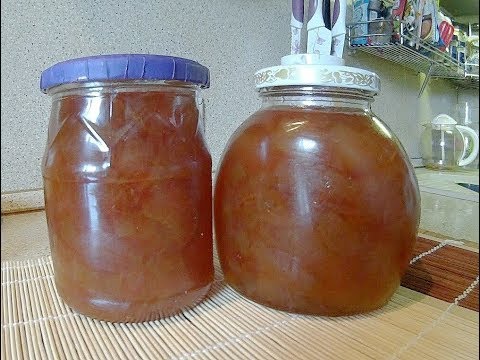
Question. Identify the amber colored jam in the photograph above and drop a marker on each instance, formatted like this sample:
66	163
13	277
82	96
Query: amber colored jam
128	197
316	210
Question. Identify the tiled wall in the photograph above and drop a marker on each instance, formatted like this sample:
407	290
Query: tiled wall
233	38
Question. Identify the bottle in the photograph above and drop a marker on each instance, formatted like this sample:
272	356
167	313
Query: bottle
127	182
316	204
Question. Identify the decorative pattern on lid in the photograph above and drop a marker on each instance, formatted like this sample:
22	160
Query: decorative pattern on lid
318	75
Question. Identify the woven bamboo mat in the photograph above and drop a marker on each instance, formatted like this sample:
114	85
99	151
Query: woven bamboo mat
36	324
443	272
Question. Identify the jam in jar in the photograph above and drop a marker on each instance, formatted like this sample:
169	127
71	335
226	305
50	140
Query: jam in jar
127	180
316	205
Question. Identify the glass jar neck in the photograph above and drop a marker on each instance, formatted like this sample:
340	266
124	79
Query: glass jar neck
97	87
308	96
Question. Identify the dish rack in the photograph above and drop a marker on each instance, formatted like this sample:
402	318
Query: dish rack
399	45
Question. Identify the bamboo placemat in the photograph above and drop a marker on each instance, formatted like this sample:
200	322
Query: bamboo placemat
444	273
36	324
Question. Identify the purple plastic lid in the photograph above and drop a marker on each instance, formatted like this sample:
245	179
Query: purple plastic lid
124	67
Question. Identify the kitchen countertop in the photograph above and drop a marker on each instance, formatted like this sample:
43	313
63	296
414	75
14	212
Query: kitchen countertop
448	208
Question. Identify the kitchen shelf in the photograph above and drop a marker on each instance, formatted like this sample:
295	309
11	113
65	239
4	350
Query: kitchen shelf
471	77
411	52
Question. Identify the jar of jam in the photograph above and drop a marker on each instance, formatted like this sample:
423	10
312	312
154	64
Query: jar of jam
128	185
316	205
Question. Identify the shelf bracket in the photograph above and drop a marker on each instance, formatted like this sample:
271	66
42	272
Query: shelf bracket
428	75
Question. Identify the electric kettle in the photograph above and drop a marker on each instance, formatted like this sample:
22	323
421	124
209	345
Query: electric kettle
446	145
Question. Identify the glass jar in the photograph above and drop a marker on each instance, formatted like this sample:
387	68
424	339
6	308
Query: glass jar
316	205
127	180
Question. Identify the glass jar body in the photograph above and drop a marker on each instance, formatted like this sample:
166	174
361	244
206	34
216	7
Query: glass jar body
127	180
316	206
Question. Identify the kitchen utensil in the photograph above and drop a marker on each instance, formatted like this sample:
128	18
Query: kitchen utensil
446	31
444	144
426	30
418	21
467	113
380	24
360	19
338	27
327	16
398	9
429	28
296	24
435	22
319	36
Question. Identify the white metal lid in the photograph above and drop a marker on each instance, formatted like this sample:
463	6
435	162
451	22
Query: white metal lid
317	70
